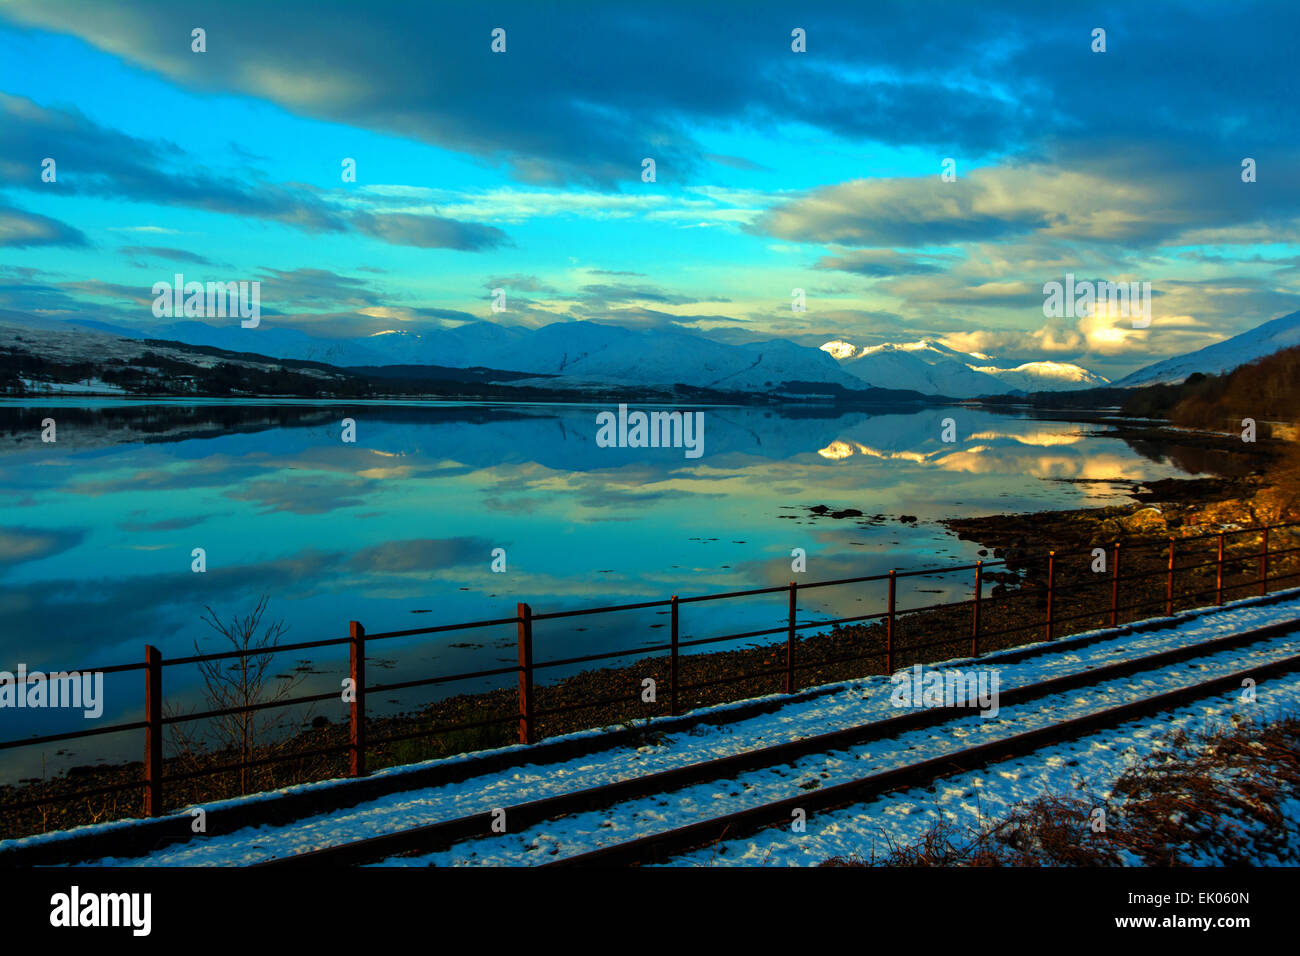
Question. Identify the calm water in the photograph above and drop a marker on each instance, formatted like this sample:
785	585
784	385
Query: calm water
397	530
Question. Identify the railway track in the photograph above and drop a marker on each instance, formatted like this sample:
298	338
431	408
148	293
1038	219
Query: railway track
664	844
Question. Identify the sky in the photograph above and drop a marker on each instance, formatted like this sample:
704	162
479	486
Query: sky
774	170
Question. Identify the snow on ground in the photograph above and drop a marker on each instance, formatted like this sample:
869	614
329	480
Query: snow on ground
580	832
1089	764
90	386
849	704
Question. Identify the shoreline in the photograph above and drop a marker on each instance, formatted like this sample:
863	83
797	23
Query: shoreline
1011	614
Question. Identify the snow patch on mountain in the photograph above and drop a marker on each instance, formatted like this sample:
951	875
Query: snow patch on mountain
930	366
1045	376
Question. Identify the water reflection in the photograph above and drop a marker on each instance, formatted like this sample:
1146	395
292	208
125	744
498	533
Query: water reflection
397	530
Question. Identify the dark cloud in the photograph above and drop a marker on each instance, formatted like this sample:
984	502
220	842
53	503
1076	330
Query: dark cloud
877	263
19	228
96	161
584	92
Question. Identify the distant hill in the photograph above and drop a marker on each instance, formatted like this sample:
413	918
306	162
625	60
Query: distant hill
42	357
1222	356
1268	388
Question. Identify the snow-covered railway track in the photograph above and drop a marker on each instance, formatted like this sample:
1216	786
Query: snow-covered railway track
444	840
663	845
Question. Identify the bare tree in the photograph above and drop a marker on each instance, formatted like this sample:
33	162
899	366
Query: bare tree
244	681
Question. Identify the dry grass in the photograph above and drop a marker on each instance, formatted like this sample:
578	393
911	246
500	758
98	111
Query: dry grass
1221	797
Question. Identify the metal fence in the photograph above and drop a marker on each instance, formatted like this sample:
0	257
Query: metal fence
1050	625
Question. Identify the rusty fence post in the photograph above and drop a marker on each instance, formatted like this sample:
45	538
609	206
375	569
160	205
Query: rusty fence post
525	673
1263	564
1218	575
789	642
672	664
357	707
1114	588
975	620
1051	589
1169	590
889	628
153	765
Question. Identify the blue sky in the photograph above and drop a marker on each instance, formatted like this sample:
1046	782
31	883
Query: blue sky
775	169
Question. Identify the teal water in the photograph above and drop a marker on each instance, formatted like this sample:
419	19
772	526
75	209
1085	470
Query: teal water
397	529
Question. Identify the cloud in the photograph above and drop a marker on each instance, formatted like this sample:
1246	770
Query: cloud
164	252
582	94
735	162
877	263
520	283
97	161
19	228
308	288
20	545
428	232
605	294
303	496
423	555
1135	195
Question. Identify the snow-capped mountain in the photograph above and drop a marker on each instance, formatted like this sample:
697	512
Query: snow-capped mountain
1222	356
582	353
934	368
1045	376
588	352
898	366
575	352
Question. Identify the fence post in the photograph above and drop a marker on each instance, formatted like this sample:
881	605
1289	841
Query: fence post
789	643
1114	588
1263	564
1051	589
975	622
357	708
889	629
525	674
1169	595
1218	577
153	765
672	664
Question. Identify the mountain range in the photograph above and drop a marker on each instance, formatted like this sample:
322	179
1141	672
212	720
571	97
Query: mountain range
579	354
590	353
